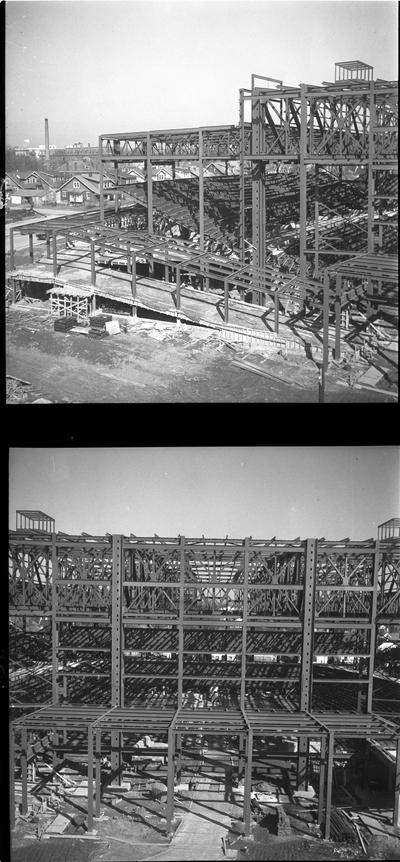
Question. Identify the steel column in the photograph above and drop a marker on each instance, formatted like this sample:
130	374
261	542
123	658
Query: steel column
316	219
97	773
325	328
12	254
247	783
92	264
181	617
178	288
303	180
170	780
396	809
322	778
276	306
101	182
371	180
149	180
54	622
24	770
258	184
338	314
133	276
373	624
329	779
310	569
242	214
116	650
90	780
201	192
226	300
54	253
31	247
246	554
11	777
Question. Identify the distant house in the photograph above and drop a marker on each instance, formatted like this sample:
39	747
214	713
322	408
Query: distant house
19	194
80	190
13	183
136	174
36	179
162	172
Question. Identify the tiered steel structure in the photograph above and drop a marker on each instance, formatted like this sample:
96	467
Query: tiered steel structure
141	629
351	123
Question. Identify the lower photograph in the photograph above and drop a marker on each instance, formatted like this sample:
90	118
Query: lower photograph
185	683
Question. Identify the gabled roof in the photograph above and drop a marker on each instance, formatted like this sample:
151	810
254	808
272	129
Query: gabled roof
91	187
138	171
46	178
13	179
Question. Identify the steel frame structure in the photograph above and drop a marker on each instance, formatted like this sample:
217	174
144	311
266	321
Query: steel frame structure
351	122
142	626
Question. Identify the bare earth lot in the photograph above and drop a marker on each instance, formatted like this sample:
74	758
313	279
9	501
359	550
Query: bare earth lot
151	362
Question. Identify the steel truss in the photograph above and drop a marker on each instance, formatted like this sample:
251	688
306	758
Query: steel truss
142	626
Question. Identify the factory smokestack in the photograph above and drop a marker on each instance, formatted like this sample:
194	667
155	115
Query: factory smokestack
46	140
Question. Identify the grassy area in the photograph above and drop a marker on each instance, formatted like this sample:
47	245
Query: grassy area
20	214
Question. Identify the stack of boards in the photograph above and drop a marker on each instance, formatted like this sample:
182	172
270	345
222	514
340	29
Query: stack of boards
97	328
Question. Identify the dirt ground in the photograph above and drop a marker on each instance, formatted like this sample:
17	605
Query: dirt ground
152	362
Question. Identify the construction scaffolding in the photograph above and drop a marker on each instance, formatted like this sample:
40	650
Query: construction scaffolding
197	636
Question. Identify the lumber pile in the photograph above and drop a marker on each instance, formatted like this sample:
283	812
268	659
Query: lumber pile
64	324
97	325
341	828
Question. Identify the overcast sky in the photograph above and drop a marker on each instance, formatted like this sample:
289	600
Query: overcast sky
94	66
259	491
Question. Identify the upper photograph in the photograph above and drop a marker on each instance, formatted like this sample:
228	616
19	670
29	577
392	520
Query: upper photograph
201	201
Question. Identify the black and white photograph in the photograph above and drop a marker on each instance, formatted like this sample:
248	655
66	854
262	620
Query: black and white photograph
201	201
204	653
